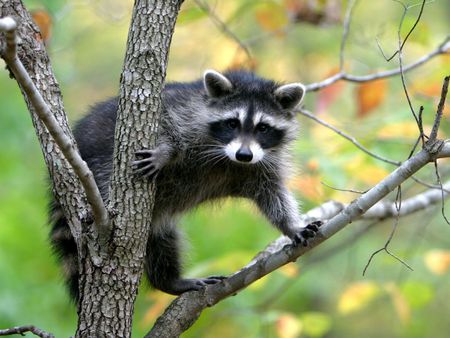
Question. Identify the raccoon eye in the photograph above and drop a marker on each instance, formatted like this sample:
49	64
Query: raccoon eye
232	123
262	128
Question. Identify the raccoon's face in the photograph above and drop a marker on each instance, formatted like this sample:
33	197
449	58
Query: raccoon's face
252	116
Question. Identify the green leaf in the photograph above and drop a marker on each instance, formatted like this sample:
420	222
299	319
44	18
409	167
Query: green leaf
418	294
316	324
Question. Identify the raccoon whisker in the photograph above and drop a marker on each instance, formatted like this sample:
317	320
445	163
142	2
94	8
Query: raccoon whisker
210	153
218	161
213	160
205	145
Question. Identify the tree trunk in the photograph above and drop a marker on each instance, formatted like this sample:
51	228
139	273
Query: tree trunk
109	286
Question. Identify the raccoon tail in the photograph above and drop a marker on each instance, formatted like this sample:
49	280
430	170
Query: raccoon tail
65	248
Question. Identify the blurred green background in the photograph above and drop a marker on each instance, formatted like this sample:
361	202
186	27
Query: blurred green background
322	295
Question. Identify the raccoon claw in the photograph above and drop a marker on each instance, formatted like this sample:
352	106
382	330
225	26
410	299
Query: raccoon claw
148	166
307	233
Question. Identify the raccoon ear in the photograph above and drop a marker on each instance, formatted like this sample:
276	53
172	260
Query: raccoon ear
216	84
290	95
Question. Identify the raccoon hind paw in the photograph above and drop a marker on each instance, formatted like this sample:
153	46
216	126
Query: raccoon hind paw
180	286
307	233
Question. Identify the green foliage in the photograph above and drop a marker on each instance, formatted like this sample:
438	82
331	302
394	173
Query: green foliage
303	299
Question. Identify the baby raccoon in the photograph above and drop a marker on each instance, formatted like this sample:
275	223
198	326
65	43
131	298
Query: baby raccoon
225	135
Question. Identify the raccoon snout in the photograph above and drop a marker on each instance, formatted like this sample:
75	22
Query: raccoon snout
244	154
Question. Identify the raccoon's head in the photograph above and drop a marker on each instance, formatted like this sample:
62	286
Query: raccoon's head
250	117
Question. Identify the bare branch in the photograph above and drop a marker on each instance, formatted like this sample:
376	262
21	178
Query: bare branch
438	176
440	109
400	59
28	328
308	114
345	32
443	48
406	8
67	147
385	248
348	137
187	307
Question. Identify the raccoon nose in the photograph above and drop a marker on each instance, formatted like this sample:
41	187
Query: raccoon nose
244	154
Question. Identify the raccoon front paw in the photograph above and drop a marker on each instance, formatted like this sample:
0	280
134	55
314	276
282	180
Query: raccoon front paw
149	163
307	233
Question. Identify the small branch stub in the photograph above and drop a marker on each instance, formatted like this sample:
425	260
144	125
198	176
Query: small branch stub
28	328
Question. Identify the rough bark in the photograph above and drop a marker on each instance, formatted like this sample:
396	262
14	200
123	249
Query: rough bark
109	285
110	271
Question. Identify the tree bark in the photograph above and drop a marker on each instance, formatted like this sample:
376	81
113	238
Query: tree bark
109	285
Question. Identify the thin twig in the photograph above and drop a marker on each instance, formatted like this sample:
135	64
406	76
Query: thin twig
43	111
348	137
400	59
344	190
28	328
443	48
385	248
438	176
406	8
440	109
223	27
345	32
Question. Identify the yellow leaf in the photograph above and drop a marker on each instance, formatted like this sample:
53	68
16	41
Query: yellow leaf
271	16
288	326
357	296
370	95
438	261
407	129
400	302
365	172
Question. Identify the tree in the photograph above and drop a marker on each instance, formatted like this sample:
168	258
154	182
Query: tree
99	266
101	313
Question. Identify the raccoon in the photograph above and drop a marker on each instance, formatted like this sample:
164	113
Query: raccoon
226	135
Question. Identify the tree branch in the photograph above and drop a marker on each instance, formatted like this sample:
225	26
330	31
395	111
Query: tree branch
185	309
67	146
443	48
224	28
31	52
311	116
28	328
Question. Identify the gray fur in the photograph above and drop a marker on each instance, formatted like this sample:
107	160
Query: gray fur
190	166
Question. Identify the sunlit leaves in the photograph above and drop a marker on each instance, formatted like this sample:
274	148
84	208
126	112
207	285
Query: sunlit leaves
404	130
288	326
357	296
438	261
316	324
417	294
